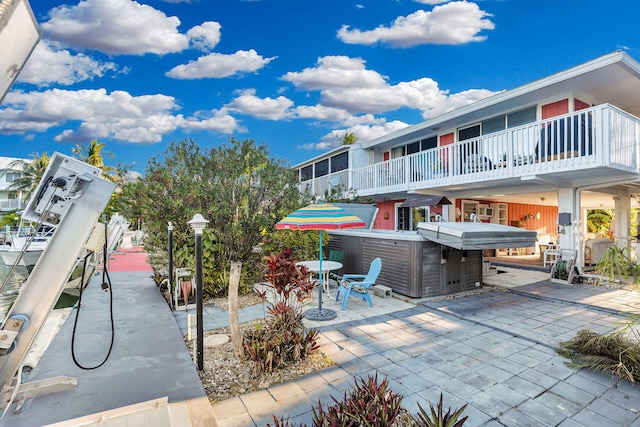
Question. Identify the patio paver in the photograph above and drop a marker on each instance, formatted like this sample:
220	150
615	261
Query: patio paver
494	350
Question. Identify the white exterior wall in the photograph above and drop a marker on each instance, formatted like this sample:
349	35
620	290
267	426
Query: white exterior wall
568	203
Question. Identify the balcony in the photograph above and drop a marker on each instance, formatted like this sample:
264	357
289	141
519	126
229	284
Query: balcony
11	205
598	140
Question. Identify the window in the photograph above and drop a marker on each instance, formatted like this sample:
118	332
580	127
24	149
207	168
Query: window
413	148
322	168
468	133
522	117
429	143
408	218
11	176
306	173
495	124
397	152
340	162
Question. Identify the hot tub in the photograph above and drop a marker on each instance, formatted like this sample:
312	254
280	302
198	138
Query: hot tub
411	264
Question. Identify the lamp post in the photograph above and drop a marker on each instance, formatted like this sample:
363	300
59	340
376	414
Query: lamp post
170	249
197	224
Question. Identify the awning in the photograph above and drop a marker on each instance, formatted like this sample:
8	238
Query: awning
425	200
476	236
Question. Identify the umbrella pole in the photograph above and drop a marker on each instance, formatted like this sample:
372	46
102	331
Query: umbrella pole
320	276
320	313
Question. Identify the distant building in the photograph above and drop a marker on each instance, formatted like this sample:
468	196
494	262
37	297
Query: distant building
10	170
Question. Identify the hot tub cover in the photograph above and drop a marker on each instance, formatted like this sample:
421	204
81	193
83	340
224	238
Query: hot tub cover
475	235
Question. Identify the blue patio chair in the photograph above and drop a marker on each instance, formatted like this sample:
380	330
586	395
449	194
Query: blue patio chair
359	284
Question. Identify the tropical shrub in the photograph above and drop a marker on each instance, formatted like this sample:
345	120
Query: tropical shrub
283	338
437	417
618	264
302	244
605	352
237	187
369	403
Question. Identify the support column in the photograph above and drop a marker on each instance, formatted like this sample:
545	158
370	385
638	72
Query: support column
621	221
569	203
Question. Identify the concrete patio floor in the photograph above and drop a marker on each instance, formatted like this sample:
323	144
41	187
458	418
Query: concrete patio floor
494	350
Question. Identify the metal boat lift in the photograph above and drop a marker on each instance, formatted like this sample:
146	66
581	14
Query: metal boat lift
71	196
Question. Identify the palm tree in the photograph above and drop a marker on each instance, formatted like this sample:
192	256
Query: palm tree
32	172
92	155
349	138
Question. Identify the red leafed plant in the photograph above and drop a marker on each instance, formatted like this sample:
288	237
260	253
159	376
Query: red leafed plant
286	278
283	338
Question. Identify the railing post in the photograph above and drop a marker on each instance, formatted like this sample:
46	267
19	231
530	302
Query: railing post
603	134
407	171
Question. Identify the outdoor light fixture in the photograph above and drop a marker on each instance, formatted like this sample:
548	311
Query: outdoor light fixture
19	35
197	224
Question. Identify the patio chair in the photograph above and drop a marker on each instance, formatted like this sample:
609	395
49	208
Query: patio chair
338	256
551	254
359	284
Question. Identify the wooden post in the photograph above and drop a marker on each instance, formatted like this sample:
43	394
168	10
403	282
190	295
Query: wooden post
234	323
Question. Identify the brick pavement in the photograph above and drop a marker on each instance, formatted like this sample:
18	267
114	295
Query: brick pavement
494	350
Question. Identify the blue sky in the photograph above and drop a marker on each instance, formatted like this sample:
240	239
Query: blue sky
293	74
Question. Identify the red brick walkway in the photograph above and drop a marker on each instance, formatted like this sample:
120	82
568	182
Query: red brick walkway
128	260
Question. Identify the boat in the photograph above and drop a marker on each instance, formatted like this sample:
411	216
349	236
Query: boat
24	245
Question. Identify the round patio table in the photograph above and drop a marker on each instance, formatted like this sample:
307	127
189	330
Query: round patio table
327	266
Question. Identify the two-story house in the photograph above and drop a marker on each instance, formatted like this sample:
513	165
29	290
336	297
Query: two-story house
538	156
10	170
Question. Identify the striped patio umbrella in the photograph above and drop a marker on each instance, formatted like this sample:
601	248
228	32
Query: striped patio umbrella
321	216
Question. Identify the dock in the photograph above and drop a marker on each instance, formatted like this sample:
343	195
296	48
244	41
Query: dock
149	378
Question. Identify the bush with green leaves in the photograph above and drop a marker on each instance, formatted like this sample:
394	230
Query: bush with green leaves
303	244
237	187
618	264
282	339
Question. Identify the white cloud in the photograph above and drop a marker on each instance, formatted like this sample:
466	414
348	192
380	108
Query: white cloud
215	120
264	108
336	72
218	65
47	66
116	115
364	132
115	27
206	36
348	88
452	23
457	100
321	112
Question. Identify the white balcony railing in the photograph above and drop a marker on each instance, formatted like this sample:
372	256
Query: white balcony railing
323	185
598	136
11	204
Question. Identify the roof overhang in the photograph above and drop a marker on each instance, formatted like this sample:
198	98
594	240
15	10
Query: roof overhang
426	200
476	236
613	78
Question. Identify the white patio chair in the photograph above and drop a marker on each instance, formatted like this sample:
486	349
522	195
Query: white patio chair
551	254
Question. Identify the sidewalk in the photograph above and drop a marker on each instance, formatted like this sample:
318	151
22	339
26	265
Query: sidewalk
494	350
148	378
